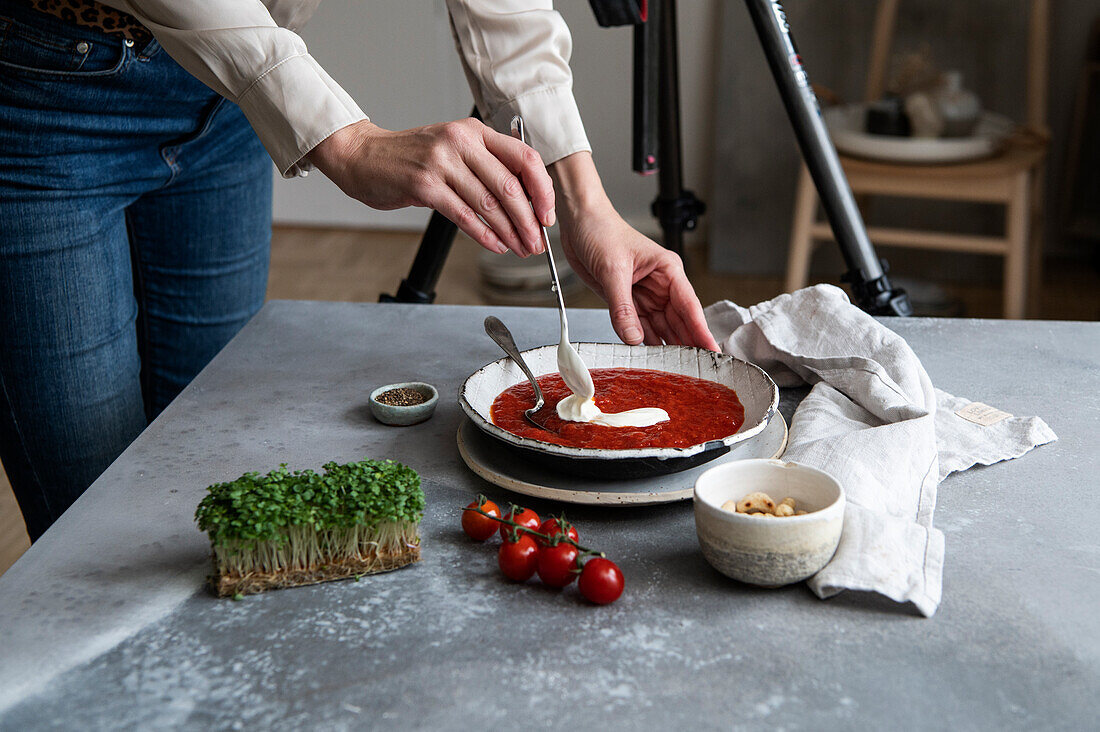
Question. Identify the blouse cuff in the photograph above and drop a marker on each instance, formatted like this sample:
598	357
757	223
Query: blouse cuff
554	126
293	106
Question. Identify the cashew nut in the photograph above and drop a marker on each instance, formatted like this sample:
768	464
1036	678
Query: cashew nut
754	502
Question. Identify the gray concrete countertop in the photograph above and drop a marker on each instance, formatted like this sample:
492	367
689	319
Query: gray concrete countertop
103	623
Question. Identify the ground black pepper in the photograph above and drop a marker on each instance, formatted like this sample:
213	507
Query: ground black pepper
401	397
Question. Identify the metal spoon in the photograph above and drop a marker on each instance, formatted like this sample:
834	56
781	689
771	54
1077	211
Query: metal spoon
519	131
503	337
570	365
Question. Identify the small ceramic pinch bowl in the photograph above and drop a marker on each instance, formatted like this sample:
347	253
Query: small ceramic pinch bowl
403	415
771	551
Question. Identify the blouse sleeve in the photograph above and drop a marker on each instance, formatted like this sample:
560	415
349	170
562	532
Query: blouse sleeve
516	57
237	49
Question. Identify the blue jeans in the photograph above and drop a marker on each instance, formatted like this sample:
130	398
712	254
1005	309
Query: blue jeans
135	224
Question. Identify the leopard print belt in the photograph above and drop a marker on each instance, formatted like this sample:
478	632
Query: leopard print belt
90	14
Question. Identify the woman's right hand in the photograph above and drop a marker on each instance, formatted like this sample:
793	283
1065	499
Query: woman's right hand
473	175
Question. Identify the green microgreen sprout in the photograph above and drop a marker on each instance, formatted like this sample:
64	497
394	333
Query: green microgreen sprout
303	520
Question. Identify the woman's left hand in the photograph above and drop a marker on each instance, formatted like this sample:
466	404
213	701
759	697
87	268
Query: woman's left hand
644	285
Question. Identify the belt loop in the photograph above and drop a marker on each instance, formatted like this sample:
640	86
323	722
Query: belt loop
146	51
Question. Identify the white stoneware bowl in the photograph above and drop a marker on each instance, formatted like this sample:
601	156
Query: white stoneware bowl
756	391
771	551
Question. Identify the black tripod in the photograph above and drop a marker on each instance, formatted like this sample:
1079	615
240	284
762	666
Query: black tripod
657	147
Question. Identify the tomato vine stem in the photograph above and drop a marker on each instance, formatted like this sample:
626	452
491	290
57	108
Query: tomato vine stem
556	539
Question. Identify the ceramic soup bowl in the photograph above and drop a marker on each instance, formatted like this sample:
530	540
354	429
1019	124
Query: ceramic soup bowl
756	391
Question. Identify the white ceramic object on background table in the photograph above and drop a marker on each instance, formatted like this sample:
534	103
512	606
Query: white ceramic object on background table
846	128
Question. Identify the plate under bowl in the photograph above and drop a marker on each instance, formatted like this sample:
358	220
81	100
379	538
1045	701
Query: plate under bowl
758	394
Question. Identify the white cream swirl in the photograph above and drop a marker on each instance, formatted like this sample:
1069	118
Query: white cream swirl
580	405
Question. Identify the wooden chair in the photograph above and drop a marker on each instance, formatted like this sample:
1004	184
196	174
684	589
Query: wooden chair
1013	178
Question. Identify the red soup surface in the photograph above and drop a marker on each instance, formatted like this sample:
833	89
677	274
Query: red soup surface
698	410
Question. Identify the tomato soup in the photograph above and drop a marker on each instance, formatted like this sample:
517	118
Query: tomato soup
698	410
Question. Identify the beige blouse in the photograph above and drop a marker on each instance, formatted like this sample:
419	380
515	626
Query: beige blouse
515	54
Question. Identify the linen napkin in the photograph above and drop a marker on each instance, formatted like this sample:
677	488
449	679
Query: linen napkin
874	421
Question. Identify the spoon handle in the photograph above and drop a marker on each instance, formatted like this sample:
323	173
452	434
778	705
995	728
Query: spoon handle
520	131
499	332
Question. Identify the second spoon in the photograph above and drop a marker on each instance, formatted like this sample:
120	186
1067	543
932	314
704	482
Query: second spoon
500	334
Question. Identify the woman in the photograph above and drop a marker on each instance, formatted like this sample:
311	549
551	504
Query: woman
135	199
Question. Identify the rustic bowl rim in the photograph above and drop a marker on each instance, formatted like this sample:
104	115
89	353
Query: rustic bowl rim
660	453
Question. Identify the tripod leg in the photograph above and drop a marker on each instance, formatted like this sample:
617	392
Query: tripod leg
670	175
657	104
866	274
435	245
677	209
647	68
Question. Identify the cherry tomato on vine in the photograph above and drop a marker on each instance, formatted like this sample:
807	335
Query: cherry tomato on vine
518	559
480	527
601	581
557	564
551	527
524	517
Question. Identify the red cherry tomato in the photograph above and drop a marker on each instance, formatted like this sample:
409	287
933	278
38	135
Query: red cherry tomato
525	517
480	527
551	527
557	564
518	559
601	581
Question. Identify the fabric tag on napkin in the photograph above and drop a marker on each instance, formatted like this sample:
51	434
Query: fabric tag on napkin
875	422
982	414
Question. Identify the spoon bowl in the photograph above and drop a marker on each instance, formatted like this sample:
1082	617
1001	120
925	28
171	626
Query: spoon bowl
500	334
